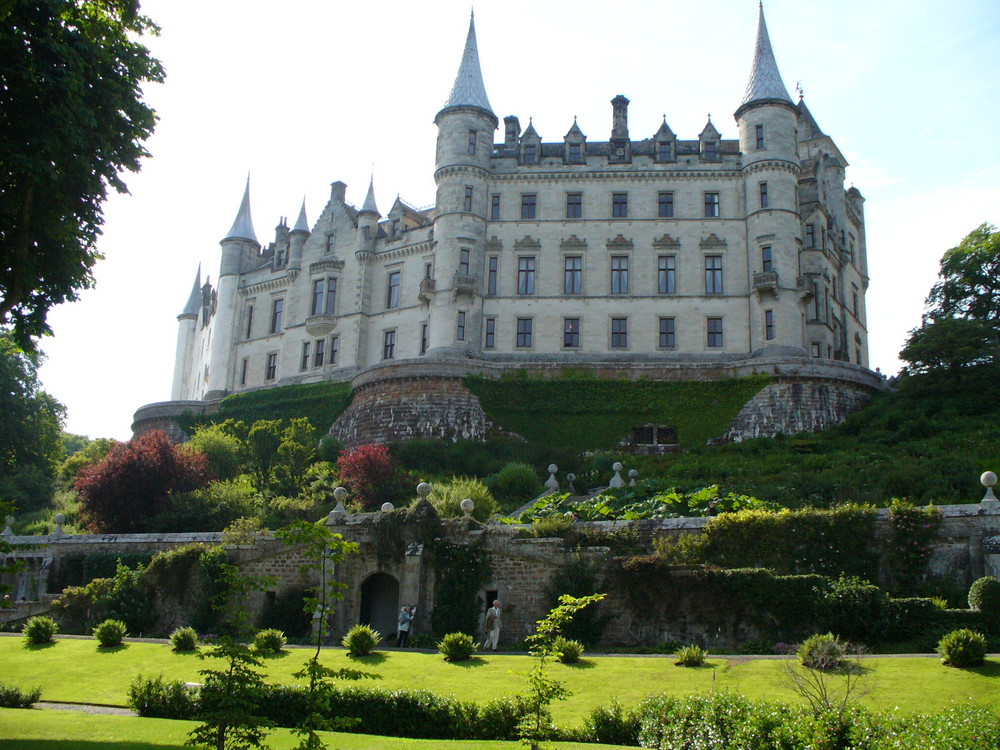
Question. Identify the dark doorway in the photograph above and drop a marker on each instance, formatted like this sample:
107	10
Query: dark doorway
380	603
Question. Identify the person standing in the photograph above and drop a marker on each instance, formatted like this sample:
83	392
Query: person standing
492	626
403	628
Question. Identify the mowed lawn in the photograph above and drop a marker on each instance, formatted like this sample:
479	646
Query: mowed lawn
71	730
74	670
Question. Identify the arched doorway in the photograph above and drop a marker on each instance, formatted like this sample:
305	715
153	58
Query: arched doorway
380	603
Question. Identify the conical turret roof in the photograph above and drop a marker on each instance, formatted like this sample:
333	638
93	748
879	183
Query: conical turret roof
765	80
301	223
369	204
808	127
194	299
243	225
469	90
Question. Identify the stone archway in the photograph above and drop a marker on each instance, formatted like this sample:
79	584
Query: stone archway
380	603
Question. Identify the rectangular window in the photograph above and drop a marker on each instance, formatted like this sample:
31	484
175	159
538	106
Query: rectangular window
243	371
331	296
490	334
460	326
529	204
815	349
855	301
715	332
320	353
810	235
711	205
304	364
574	205
763	195
271	367
389	345
249	321
769	325
319	289
619	205
664	152
524	332
395	227
423	338
576	152
392	290
472	141
331	242
490	338
463	261
492	266
713	274
759	132
857	355
277	311
571	333
766	262
495	207
666	282
711	150
530	153
428	270
468	198
573	275
666	205
619	333
619	274
334	349
668	333
366	232
526	275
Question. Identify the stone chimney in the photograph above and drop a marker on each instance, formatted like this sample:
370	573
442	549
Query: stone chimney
512	129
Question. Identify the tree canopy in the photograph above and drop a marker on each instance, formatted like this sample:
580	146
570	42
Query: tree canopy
72	119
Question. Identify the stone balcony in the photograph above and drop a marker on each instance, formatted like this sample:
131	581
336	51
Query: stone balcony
320	325
765	282
463	283
427	287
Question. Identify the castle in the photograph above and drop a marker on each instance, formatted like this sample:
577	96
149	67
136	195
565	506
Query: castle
657	257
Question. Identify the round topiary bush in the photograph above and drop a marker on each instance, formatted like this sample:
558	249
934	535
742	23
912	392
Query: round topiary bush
269	641
110	633
984	596
361	640
962	648
691	656
823	651
569	650
457	647
39	630
516	484
184	639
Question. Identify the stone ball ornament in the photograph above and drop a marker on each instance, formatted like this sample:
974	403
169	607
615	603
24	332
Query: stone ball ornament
340	494
423	489
616	466
386	507
467	506
60	519
988	479
553	468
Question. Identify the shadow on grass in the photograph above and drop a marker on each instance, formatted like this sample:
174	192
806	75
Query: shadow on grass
707	666
581	664
186	652
39	646
989	669
471	662
112	649
63	744
274	655
372	659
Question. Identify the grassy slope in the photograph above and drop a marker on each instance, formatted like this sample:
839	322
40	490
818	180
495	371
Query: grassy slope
73	670
63	730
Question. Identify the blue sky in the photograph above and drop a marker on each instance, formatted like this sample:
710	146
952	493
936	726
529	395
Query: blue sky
303	93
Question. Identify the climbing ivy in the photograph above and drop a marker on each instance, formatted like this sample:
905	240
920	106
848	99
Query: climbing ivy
460	571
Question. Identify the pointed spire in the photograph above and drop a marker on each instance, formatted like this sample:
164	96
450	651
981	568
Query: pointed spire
530	132
369	204
243	225
469	90
574	131
194	299
765	80
808	127
664	133
709	132
302	223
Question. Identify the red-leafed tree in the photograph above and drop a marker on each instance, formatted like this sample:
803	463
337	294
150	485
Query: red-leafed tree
135	482
371	475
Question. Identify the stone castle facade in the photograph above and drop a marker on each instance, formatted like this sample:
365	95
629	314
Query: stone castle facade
657	257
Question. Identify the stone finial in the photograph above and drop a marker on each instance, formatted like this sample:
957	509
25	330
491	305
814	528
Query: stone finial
552	483
60	519
616	480
386	507
632	475
423	489
8	531
570	478
339	514
989	502
467	506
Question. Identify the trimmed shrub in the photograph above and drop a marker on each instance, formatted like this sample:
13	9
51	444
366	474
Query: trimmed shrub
516	484
184	639
984	596
569	650
110	633
40	629
822	651
447	499
361	640
457	646
962	648
158	698
11	696
269	641
691	656
612	725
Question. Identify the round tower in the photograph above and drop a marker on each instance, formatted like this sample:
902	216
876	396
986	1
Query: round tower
187	326
462	167
767	120
297	238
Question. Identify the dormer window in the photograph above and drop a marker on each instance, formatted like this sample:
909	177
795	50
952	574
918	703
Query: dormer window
664	151
531	154
711	150
576	152
395	227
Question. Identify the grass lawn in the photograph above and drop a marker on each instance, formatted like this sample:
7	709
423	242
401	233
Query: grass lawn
74	670
63	730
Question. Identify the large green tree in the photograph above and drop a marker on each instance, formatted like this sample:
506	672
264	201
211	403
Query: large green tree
72	119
